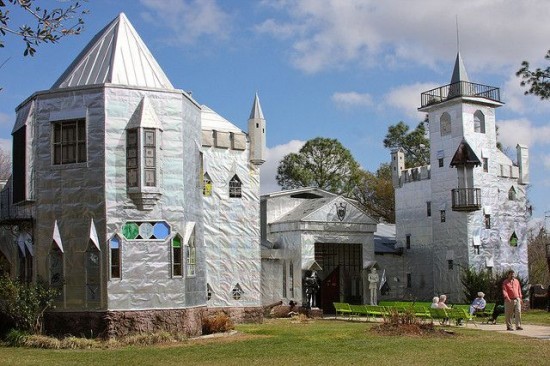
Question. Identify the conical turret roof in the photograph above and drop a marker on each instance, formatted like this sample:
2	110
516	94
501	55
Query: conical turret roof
256	111
116	55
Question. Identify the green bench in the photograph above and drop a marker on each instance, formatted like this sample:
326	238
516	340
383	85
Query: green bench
342	308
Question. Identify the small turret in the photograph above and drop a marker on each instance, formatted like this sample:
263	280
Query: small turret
256	131
397	166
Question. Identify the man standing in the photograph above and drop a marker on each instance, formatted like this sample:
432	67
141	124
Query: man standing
511	290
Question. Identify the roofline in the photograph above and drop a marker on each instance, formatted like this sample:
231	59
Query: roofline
286	192
104	86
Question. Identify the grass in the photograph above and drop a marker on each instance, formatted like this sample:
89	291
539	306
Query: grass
535	316
317	342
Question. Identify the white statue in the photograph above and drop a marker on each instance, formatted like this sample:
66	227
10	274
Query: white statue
373	285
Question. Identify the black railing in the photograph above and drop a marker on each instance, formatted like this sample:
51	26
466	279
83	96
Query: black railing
466	199
460	89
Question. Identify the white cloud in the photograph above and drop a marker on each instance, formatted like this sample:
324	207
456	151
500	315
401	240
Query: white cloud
189	20
336	32
406	98
351	99
522	131
274	155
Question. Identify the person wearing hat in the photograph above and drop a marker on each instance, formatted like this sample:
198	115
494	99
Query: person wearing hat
478	303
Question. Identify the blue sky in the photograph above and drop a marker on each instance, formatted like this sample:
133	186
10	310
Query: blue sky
331	68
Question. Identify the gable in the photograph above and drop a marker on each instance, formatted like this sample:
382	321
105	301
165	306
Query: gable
339	210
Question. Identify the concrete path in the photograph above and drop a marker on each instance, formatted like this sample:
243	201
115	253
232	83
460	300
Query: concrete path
535	331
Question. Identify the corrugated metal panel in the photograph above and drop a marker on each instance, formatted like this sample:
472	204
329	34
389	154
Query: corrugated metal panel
116	55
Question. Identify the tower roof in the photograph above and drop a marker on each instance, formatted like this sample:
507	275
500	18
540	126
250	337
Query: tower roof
256	111
116	55
459	71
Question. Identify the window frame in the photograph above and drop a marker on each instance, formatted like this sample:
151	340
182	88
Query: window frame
235	187
443	215
177	256
115	266
62	145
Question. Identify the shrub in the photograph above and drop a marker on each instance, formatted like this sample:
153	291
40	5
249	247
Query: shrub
16	337
217	323
25	303
484	280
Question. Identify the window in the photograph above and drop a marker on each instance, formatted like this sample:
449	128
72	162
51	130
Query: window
408	241
409	280
476	249
191	255
441	162
147	230
92	275
114	246
487	221
284	279
141	157
25	265
235	190
513	240
450	264
445	124
479	122
429	208
56	270
19	166
206	185
177	256
443	216
237	292
69	142
485	164
208	292
512	194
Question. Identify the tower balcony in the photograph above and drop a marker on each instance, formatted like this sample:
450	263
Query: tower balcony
459	89
466	199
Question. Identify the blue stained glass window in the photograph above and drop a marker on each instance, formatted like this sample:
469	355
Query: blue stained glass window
115	242
161	230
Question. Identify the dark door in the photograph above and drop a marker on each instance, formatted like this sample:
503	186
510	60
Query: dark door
330	291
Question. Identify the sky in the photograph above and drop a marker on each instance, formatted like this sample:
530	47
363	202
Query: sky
343	69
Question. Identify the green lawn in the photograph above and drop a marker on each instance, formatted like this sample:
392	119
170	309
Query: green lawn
319	342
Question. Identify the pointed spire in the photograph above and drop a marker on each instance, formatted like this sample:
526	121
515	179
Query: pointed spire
115	55
93	235
459	72
256	111
56	237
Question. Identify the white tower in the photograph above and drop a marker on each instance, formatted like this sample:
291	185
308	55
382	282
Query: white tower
256	131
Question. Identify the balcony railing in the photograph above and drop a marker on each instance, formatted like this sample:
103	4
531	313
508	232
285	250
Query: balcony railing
466	199
460	89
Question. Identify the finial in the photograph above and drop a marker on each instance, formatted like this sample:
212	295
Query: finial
457	36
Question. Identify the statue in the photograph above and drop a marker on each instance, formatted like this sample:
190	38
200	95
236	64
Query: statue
312	286
373	279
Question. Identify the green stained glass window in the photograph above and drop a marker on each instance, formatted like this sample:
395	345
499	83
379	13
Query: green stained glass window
130	230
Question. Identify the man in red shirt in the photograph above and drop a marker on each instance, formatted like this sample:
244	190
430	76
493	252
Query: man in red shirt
511	290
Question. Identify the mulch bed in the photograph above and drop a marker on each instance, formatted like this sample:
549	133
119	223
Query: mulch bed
418	329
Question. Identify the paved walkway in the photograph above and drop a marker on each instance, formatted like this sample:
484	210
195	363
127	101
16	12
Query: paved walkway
535	331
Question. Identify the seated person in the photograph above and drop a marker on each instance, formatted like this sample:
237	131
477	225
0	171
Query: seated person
435	301
441	304
478	303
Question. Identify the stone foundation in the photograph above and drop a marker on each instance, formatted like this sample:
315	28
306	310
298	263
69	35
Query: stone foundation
111	324
241	315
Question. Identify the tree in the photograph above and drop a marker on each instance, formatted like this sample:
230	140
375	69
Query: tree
5	165
375	193
538	79
50	24
536	252
322	162
415	143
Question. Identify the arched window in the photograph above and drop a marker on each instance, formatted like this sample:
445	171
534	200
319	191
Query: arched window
56	269
513	240
92	275
479	122
235	189
512	195
206	185
237	292
191	255
445	124
177	256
